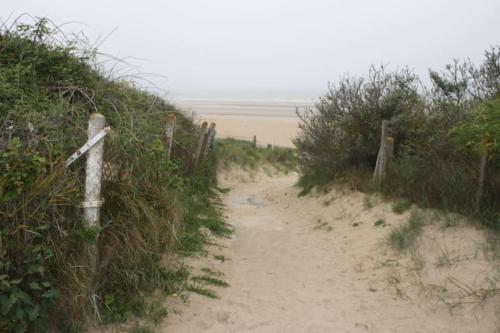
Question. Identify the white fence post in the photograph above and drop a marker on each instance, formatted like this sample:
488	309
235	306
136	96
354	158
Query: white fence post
93	175
169	133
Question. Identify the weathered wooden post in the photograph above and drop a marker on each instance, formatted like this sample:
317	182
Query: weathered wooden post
206	141
254	142
169	133
381	165
93	175
211	140
201	140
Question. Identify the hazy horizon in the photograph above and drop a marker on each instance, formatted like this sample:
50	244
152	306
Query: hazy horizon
227	49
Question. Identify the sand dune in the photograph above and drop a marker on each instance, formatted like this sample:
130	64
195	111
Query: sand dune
318	264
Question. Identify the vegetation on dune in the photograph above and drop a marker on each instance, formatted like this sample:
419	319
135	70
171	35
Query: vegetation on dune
439	134
48	87
238	152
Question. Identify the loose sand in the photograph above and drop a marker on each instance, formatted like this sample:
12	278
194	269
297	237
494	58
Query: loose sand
273	130
318	264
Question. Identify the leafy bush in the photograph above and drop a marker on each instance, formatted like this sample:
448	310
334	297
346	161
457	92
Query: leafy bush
343	132
439	135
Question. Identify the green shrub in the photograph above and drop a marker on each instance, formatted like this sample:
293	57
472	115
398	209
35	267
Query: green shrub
439	135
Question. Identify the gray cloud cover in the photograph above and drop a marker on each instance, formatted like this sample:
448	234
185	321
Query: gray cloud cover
277	44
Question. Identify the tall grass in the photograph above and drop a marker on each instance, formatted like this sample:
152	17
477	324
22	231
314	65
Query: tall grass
48	87
244	154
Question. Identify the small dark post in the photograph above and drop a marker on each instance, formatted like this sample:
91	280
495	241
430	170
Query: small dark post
254	142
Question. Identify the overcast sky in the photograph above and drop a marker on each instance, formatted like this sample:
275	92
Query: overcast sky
276	44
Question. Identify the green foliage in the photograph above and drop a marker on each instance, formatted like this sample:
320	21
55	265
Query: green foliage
343	132
439	135
480	130
48	87
26	293
242	153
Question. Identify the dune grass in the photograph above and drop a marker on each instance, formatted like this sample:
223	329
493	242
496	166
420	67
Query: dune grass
405	236
242	153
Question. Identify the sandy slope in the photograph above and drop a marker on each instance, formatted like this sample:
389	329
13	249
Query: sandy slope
318	264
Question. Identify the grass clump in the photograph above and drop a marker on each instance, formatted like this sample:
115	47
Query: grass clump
401	206
404	236
242	153
380	222
210	280
367	202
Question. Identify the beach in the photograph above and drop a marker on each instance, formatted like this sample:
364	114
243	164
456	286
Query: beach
271	121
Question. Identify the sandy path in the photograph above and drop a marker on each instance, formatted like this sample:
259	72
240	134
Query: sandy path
314	264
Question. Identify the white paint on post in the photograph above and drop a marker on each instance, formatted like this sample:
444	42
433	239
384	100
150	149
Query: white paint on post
169	133
93	175
201	140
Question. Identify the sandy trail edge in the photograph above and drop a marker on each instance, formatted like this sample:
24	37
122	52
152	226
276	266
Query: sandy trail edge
318	264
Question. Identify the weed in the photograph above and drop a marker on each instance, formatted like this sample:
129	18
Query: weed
210	280
367	201
400	206
405	235
220	257
202	291
242	153
211	272
380	222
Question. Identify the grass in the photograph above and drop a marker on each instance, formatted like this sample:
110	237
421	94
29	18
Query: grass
380	222
243	154
203	291
401	206
210	280
165	205
367	201
220	257
404	236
